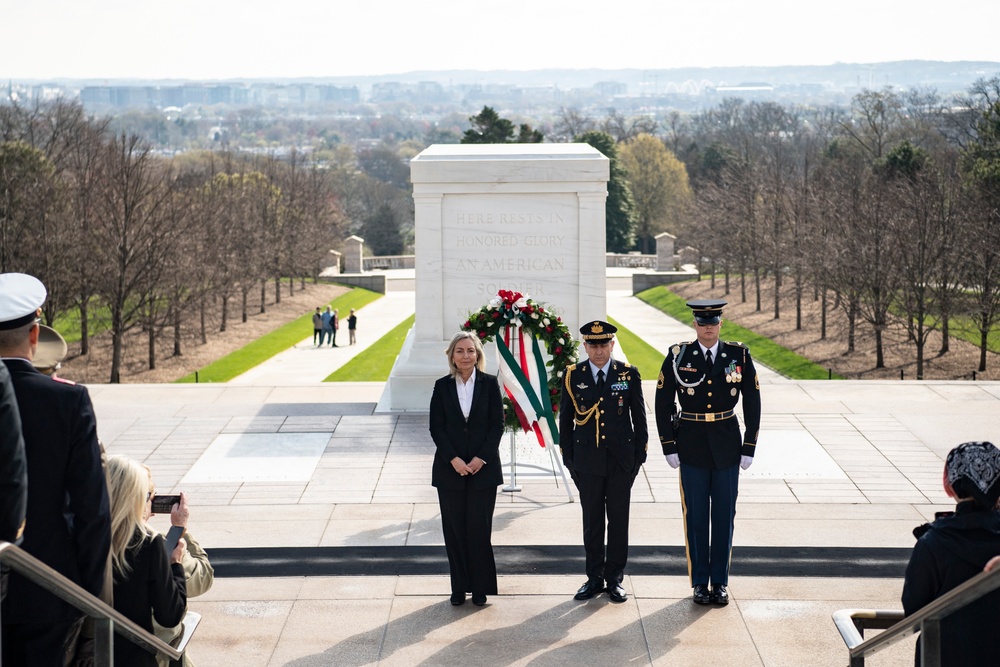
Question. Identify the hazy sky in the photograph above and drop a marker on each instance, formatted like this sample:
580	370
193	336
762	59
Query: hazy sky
210	39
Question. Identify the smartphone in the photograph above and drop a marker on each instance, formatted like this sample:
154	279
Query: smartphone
163	504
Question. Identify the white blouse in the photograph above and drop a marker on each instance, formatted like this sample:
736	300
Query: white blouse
465	390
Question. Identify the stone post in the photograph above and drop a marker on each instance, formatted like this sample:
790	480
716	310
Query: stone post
353	247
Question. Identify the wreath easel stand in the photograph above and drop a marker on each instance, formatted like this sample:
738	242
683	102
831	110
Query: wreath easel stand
531	395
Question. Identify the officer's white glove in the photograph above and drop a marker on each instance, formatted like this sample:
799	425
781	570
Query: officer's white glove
745	461
673	460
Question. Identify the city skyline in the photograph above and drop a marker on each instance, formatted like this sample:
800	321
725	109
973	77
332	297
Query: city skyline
223	39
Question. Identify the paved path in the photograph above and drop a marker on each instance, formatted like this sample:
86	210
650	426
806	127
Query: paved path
279	461
307	364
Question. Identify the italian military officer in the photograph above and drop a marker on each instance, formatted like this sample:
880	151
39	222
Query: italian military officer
68	525
603	435
708	377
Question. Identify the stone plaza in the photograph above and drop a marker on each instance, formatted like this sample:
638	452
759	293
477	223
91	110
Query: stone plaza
316	508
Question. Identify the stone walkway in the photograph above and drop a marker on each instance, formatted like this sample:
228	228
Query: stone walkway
273	461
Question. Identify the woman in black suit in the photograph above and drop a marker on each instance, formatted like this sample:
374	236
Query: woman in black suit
149	582
466	425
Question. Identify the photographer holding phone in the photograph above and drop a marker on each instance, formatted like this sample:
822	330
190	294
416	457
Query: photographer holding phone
198	571
149	582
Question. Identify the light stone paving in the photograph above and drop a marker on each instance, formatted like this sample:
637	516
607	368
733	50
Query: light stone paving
840	464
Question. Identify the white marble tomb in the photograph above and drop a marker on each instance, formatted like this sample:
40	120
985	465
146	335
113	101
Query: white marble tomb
522	217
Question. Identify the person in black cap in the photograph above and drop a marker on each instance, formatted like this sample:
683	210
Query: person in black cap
955	548
708	376
68	523
603	435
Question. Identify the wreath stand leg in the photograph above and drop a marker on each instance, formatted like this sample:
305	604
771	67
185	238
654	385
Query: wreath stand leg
557	465
513	486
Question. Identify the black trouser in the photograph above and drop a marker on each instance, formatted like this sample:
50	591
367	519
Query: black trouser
605	497
35	644
467	523
317	333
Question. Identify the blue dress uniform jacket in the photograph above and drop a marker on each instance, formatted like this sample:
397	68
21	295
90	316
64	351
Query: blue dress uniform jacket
714	444
615	432
68	523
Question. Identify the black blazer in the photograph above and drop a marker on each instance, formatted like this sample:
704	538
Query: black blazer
13	466
68	523
453	435
153	588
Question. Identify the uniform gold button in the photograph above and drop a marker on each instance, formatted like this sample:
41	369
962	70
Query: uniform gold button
709	406
709	394
602	437
709	382
602	423
602	412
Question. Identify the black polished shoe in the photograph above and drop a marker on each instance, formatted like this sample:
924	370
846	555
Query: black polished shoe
478	600
701	594
719	594
457	598
590	589
616	592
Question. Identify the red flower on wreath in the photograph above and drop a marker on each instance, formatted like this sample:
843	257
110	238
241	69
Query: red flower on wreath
514	309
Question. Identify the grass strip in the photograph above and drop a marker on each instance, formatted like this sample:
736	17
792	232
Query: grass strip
374	363
240	361
641	354
766	351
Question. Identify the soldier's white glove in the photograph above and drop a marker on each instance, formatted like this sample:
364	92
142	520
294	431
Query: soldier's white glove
745	461
673	460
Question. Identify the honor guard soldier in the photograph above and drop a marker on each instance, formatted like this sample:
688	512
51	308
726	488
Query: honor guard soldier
603	435
68	524
708	376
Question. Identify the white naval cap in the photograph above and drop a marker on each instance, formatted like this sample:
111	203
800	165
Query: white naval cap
21	296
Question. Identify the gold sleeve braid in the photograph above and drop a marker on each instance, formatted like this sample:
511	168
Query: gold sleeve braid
583	416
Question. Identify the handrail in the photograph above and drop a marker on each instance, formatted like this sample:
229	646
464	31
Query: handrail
927	619
24	563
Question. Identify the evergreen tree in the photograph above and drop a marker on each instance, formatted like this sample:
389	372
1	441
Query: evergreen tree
620	213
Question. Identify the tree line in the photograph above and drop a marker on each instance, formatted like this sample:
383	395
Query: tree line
888	209
132	240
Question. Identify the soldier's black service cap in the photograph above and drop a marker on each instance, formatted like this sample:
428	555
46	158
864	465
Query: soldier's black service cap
597	332
707	311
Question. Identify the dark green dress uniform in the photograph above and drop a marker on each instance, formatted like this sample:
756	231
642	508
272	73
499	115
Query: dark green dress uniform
707	439
603	437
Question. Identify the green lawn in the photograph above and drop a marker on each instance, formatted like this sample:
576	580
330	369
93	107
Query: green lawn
239	362
641	354
375	363
68	323
782	360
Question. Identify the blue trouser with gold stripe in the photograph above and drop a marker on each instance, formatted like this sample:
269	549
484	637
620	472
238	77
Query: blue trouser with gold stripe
709	503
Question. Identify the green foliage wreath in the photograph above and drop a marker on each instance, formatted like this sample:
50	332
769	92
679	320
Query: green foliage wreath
512	308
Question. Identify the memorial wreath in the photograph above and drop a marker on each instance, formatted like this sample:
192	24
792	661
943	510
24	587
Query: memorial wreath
518	323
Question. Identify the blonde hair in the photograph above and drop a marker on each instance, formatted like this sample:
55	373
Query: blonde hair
129	485
480	354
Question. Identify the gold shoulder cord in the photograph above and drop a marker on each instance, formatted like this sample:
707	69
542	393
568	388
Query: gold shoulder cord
584	416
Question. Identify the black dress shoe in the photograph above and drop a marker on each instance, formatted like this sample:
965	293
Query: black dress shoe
457	598
590	589
478	600
701	594
719	594
616	592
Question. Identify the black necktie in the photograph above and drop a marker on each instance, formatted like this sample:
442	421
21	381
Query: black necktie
600	380
708	359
